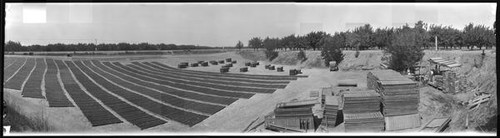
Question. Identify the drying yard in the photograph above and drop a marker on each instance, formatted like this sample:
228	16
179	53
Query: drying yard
152	94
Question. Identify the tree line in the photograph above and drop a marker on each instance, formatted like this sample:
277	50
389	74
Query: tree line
405	44
16	46
366	37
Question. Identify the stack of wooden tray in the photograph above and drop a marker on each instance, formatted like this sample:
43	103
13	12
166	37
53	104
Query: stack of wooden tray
364	122
331	110
361	101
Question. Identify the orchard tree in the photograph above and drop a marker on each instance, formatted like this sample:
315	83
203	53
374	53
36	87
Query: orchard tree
351	40
313	39
270	44
255	43
288	41
382	37
13	46
478	35
239	45
331	49
404	51
300	43
363	37
422	38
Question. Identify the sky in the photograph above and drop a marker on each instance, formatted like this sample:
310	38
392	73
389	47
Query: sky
219	24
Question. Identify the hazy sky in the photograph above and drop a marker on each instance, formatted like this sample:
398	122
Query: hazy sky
219	24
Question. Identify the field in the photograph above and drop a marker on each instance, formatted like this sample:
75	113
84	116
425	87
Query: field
146	93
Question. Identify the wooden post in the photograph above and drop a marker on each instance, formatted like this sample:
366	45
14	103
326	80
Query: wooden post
435	42
467	120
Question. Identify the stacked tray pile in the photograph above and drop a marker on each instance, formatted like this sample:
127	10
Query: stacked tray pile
364	122
361	101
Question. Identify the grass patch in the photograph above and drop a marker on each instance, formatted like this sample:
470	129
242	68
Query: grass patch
21	123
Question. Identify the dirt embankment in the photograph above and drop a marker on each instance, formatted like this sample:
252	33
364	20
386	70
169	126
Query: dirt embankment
479	72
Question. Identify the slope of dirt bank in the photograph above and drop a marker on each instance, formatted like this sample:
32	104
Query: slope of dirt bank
479	71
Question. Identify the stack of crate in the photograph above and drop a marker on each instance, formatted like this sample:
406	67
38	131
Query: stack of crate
361	111
331	110
361	102
400	99
364	122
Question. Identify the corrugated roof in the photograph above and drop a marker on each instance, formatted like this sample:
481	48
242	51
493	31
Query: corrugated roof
444	62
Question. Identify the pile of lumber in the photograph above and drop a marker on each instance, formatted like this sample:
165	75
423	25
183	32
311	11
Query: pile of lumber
374	76
244	69
361	102
331	110
254	64
204	64
293	111
295	72
183	65
279	69
314	93
296	114
224	69
449	82
400	98
194	64
272	67
327	91
402	122
364	122
229	65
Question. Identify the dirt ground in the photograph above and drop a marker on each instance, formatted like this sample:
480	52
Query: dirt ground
238	116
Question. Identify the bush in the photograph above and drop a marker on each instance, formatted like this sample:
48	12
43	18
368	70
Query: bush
404	51
332	50
302	56
271	54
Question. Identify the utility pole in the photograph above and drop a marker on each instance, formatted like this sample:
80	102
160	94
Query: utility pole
95	48
436	42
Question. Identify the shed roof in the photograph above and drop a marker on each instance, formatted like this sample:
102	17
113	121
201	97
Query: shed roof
443	62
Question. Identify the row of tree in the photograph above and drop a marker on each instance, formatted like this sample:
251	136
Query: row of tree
405	45
16	46
365	37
